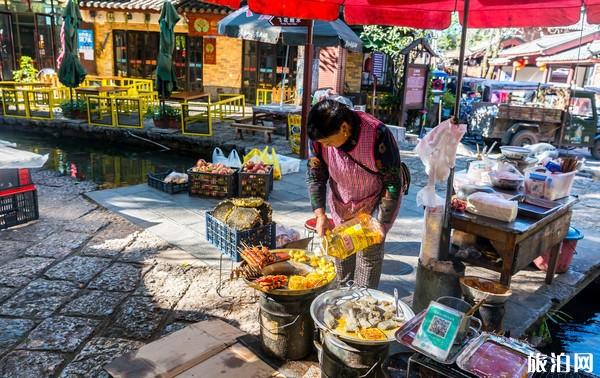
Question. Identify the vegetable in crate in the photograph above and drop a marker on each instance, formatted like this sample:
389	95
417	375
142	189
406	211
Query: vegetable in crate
260	167
205	167
244	213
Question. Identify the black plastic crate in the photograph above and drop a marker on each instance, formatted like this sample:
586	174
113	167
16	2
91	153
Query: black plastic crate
18	206
13	178
205	184
255	184
229	241
156	181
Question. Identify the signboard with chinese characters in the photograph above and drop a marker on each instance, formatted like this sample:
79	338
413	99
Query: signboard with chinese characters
85	43
210	50
288	21
415	86
203	24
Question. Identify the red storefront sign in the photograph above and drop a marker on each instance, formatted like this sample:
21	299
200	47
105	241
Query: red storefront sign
210	50
203	24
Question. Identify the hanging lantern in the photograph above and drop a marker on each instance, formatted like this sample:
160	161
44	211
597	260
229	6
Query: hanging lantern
519	64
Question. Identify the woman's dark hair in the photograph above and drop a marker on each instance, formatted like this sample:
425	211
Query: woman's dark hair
326	118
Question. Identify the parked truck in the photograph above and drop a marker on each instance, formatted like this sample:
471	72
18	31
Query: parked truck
562	117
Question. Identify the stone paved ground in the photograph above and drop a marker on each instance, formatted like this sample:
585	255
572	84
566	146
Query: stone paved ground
81	286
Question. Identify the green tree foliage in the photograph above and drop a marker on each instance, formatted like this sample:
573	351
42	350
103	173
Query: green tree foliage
390	40
27	72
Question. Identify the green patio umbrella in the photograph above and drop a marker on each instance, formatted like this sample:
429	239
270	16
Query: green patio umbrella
70	70
165	74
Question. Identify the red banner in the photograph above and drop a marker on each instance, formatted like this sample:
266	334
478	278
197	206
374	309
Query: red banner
203	24
210	50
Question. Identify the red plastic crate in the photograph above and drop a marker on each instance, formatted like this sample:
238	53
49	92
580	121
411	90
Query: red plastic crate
18	205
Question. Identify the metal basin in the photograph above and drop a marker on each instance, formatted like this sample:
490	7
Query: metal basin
476	289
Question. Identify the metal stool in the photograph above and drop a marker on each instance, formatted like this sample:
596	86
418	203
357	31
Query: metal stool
310	228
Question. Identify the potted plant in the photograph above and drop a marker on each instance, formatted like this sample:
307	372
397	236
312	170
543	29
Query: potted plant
164	116
27	73
74	109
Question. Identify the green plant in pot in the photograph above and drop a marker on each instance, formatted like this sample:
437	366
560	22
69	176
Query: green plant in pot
75	109
27	73
164	116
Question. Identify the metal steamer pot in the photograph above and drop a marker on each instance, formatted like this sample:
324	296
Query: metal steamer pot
342	359
333	297
286	328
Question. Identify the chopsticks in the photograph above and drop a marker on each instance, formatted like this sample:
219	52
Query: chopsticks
568	164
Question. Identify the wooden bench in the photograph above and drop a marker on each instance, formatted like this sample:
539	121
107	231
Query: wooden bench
240	127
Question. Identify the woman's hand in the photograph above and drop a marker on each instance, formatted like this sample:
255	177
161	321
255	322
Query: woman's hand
322	222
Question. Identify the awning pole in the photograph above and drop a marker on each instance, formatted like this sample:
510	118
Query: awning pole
445	237
287	53
306	88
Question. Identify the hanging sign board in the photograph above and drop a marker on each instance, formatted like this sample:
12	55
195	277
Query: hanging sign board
85	43
288	21
415	86
210	50
203	24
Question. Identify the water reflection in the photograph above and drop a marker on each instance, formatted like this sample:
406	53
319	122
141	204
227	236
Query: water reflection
107	166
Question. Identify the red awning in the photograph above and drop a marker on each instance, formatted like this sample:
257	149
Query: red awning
430	14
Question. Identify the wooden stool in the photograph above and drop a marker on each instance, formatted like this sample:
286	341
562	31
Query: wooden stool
310	229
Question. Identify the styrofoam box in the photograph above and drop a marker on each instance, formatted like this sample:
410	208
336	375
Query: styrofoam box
288	164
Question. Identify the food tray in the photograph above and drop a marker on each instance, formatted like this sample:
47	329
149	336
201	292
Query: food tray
288	268
255	184
407	332
18	206
229	240
14	178
511	345
156	181
536	208
317	310
206	184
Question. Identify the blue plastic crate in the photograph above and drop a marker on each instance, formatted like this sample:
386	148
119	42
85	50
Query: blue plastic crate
228	240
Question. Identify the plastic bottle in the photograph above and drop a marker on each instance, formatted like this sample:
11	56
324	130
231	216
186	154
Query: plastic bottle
352	236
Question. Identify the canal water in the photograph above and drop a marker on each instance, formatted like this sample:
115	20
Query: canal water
109	166
582	333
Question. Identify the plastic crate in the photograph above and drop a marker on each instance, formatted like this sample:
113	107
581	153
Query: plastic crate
156	181
255	184
14	178
228	240
205	184
18	206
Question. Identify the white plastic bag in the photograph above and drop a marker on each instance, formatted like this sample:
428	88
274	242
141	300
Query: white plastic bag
233	160
437	150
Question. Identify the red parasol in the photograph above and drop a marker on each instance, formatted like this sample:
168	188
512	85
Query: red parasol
430	14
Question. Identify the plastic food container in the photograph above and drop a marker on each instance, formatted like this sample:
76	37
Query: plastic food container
540	182
505	183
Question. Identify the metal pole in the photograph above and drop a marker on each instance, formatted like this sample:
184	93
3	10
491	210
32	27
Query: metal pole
306	88
445	237
287	53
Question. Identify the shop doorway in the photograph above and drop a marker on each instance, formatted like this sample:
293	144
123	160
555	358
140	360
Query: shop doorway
263	66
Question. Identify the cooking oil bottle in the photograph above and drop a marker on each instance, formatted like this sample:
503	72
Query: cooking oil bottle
352	236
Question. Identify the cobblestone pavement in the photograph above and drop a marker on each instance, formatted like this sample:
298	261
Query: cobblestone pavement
81	286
